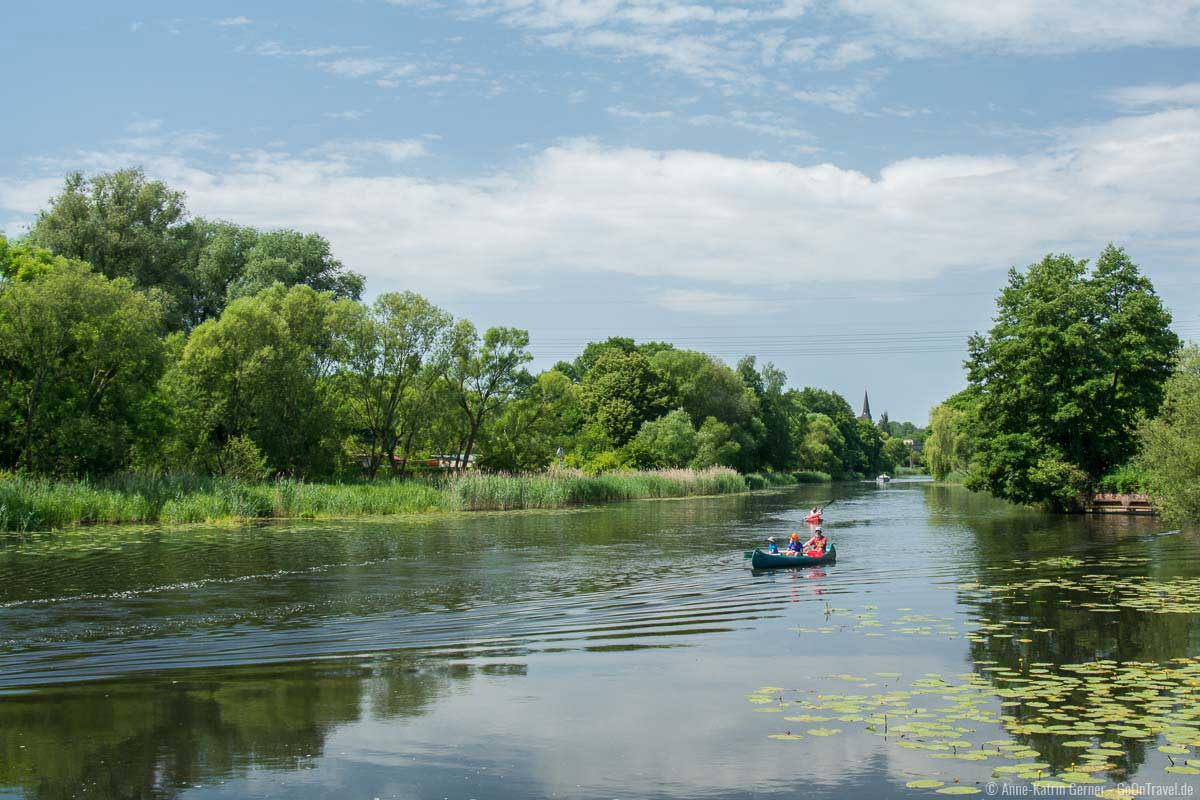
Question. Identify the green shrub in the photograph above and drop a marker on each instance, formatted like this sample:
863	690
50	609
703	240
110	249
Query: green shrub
755	480
1126	479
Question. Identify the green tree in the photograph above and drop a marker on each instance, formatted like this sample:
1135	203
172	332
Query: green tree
778	448
895	453
1171	443
621	391
714	445
821	445
583	363
126	225
264	369
872	444
704	387
121	223
293	258
948	446
390	346
484	376
669	441
24	261
849	446
214	260
1072	361
528	431
80	354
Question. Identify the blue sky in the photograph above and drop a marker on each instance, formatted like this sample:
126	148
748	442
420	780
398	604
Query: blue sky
837	186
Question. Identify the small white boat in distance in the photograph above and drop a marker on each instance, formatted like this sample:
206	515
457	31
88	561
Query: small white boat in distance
884	478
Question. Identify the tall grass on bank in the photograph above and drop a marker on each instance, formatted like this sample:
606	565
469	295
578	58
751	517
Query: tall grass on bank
559	488
28	504
902	472
36	504
761	480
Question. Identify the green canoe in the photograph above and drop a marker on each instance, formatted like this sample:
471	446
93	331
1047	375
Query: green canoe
764	560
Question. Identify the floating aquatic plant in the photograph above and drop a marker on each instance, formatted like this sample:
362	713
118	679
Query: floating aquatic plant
1088	715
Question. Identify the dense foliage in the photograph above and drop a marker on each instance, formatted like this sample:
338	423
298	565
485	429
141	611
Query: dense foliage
1171	443
134	338
1075	359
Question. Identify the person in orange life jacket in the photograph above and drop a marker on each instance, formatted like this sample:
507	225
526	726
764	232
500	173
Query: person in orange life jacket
815	547
794	547
772	548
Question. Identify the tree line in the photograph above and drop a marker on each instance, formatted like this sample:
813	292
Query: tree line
134	336
1080	386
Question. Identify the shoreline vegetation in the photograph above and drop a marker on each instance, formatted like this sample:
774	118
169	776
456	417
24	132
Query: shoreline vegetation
139	340
35	504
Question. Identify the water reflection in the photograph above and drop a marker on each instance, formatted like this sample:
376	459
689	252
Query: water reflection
161	735
591	653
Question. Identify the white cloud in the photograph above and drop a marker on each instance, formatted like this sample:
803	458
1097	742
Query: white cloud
697	216
279	50
144	125
137	26
386	71
846	99
633	113
715	303
1032	25
150	138
740	42
229	22
764	123
361	67
27	197
1153	95
393	150
349	115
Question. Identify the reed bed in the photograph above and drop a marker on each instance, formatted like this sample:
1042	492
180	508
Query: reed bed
28	504
560	488
763	480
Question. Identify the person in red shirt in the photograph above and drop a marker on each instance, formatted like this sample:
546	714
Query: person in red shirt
815	547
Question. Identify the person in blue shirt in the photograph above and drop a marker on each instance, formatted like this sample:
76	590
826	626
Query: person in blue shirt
772	547
794	547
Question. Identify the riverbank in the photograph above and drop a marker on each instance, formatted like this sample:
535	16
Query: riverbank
28	504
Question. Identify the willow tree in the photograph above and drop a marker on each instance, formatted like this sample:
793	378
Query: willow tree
391	347
485	374
1171	443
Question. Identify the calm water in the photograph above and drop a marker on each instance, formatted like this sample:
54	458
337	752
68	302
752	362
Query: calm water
599	653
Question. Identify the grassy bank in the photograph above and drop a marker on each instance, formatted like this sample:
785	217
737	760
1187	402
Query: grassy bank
560	488
907	472
761	480
28	504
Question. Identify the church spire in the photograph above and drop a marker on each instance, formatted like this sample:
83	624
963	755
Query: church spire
866	412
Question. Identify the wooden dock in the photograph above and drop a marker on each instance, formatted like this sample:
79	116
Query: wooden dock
1120	504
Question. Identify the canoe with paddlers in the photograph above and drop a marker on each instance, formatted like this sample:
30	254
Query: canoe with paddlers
761	559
